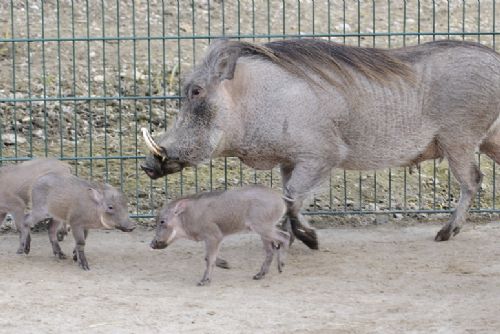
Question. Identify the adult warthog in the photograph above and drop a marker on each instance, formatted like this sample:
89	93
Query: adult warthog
312	105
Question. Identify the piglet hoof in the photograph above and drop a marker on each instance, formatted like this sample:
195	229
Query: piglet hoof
221	263
203	282
281	264
82	261
24	248
84	265
61	256
75	258
259	275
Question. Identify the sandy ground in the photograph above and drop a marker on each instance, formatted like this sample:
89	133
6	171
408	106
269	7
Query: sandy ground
382	279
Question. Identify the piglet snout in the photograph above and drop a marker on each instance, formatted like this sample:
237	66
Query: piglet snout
158	244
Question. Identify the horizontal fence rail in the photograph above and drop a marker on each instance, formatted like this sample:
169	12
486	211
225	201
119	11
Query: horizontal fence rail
80	78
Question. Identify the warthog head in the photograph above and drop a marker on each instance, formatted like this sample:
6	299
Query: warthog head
113	206
169	224
202	122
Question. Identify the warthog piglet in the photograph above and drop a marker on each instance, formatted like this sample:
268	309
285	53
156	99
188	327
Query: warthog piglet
83	205
211	216
15	192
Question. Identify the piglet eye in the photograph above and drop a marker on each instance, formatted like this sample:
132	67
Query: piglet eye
162	222
195	92
110	207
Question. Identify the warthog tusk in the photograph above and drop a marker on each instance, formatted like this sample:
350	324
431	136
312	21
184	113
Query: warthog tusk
172	236
150	143
105	224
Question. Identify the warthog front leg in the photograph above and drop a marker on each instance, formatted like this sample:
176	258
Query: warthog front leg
79	235
52	229
23	225
212	248
469	176
298	180
85	234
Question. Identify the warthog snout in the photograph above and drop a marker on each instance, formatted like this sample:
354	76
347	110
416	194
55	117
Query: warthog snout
156	170
155	244
129	228
150	172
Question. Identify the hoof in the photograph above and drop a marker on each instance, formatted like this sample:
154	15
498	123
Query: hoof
23	250
61	256
445	234
84	266
308	237
203	282
281	264
259	276
221	263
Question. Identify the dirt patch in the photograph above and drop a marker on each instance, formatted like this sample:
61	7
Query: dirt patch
377	279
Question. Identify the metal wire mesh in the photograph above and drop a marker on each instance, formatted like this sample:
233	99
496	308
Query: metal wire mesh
79	78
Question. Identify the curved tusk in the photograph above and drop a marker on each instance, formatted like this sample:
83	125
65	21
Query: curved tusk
150	143
105	224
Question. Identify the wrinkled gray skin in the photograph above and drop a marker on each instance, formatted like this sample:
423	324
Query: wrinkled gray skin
83	205
15	192
442	100
209	217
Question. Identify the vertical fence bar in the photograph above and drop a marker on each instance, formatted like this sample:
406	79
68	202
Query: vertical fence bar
14	90
44	78
134	102
105	92
193	24
59	80
89	93
30	103
73	68
494	48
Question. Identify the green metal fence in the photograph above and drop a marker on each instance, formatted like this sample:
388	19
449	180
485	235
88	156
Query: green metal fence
80	77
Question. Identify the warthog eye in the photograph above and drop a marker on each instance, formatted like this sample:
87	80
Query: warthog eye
162	222
195	91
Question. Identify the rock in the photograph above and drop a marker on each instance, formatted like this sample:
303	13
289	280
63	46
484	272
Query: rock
38	134
11	139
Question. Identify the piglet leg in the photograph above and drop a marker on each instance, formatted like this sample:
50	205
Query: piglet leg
79	235
268	247
53	226
212	248
85	234
24	232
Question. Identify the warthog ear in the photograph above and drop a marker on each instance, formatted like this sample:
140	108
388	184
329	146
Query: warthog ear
180	206
227	63
96	196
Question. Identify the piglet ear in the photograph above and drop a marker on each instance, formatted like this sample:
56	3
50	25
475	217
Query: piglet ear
180	206
95	195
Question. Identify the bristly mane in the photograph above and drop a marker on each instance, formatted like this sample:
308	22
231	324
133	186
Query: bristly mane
328	60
